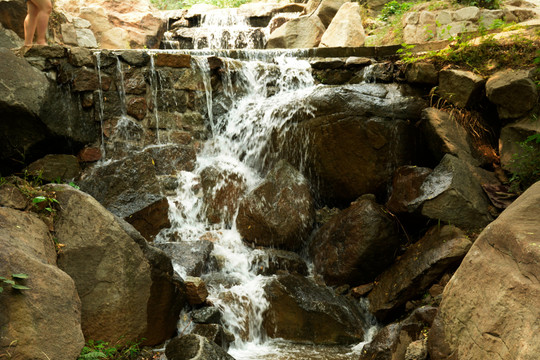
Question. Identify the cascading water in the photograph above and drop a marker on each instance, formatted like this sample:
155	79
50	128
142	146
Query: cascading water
261	98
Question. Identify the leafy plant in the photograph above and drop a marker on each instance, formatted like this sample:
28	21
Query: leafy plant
104	350
394	8
45	203
14	282
487	4
525	165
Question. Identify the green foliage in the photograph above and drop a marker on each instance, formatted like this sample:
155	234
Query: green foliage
45	203
525	165
14	282
394	8
103	350
73	185
185	4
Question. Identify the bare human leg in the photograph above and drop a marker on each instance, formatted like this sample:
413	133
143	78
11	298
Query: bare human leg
37	21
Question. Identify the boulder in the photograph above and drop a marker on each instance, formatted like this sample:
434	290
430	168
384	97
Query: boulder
346	28
126	286
495	291
190	256
302	311
511	135
43	322
302	32
453	194
355	150
272	261
439	251
206	315
124	186
417	350
356	245
444	135
9	39
393	341
279	212
406	184
325	9
55	166
195	347
12	197
150	220
12	15
196	290
222	190
461	88
513	91
422	73
169	159
215	333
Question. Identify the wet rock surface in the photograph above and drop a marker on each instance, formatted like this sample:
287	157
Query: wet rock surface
356	245
192	256
302	311
195	347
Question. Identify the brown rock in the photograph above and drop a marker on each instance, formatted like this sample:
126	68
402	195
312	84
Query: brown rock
173	60
461	88
150	220
87	100
89	154
439	251
279	212
45	321
302	32
137	107
134	82
12	197
406	187
85	79
356	245
362	290
195	290
495	291
55	166
12	15
302	311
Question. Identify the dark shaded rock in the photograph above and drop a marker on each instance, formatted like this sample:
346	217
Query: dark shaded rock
444	135
356	245
461	88
303	311
206	315
439	251
215	333
406	187
379	72
55	166
362	290
79	56
327	63
168	159
357	62
279	212
513	91
9	39
134	82
192	255
422	73
452	193
85	79
495	291
195	347
355	150
123	186
515	133
271	261
135	58
392	341
222	190
12	197
417	350
46	51
89	154
333	76
12	15
150	220
47	318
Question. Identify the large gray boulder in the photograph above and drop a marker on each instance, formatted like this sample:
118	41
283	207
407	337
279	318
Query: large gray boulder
491	306
356	245
355	150
126	287
299	33
45	321
439	251
346	28
302	311
9	39
280	212
461	88
513	91
452	193
325	9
